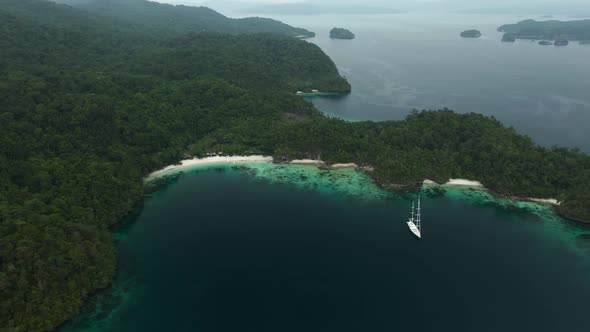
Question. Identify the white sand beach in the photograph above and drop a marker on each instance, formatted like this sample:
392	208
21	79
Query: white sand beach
428	181
464	182
307	162
344	165
187	163
551	201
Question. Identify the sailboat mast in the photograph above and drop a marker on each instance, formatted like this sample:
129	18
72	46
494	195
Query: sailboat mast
412	219
418	214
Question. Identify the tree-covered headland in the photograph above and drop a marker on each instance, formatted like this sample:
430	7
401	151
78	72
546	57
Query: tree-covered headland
552	29
92	101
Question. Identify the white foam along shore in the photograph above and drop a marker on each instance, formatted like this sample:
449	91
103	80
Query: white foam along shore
188	163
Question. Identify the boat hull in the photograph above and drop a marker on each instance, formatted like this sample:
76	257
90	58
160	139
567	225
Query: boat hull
414	229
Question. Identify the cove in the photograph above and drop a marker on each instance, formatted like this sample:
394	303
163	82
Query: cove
265	247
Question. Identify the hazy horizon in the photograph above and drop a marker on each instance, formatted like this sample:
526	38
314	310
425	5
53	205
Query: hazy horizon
548	7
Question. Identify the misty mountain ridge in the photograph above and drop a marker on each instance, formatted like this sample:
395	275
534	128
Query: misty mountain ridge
166	18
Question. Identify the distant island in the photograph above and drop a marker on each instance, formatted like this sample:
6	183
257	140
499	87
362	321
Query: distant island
545	42
340	33
471	34
550	30
509	37
561	42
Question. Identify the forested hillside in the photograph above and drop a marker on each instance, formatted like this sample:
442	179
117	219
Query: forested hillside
256	61
41	33
91	103
167	19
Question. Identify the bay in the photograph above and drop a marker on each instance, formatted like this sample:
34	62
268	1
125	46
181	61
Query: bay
263	247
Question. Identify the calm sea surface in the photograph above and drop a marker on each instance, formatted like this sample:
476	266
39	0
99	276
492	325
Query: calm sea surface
275	248
404	61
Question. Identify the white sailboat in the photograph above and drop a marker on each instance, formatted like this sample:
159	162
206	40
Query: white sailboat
414	223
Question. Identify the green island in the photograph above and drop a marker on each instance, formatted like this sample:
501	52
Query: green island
471	34
561	42
341	33
551	30
93	99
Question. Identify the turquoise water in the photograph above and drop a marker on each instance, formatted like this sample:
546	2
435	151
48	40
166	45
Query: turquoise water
264	247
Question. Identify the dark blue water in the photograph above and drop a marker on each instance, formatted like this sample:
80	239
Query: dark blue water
404	61
225	251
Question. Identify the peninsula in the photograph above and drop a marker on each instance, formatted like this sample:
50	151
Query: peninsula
340	33
577	30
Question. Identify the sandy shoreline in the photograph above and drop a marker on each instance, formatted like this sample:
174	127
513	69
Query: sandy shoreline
307	162
551	201
187	163
319	162
456	182
464	182
344	165
471	183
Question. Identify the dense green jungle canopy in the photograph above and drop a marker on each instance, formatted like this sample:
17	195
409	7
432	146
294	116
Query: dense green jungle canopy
92	101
